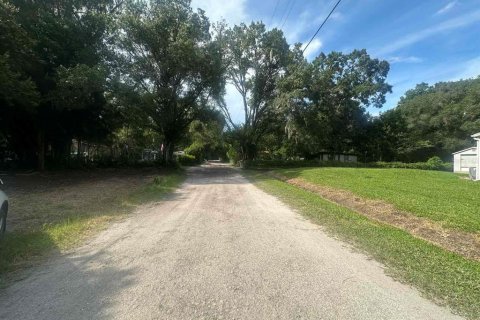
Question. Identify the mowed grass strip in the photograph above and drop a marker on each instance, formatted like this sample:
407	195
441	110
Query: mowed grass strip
442	197
440	275
22	248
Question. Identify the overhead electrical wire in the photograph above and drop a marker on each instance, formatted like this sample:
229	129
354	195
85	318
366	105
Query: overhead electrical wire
289	2
274	11
319	28
288	13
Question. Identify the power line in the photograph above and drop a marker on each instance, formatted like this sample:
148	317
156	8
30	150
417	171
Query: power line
289	2
274	11
288	14
319	28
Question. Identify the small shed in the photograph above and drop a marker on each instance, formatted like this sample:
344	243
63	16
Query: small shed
465	159
476	137
468	160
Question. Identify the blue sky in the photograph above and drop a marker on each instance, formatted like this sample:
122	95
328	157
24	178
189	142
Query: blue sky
424	41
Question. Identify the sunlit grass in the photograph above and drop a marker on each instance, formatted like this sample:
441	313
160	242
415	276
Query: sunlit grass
442	276
444	197
21	248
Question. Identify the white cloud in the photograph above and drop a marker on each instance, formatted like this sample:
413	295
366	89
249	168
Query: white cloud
301	24
409	59
233	12
312	49
337	15
305	25
414	37
447	7
375	113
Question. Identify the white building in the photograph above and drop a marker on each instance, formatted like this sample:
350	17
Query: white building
476	137
465	159
468	158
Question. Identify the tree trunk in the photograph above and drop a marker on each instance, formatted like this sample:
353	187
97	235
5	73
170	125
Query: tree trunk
79	149
167	152
170	153
248	150
41	150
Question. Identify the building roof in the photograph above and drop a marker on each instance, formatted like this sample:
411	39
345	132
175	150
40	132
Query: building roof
476	135
473	149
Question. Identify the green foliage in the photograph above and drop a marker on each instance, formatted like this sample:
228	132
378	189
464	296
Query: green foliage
19	248
266	164
206	138
441	275
172	64
78	87
157	189
17	90
435	163
438	119
442	197
59	88
233	155
325	101
16	54
141	74
255	58
188	160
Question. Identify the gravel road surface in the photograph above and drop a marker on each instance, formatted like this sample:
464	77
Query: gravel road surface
218	248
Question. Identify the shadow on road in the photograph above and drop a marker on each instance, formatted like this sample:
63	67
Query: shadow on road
214	173
72	286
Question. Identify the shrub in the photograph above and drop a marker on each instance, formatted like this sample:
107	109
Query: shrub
232	155
187	160
265	164
434	163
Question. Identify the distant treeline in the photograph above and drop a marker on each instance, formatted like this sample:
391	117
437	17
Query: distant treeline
429	121
434	163
121	81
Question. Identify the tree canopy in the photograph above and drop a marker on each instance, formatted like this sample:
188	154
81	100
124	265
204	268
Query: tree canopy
255	59
172	63
435	119
106	81
326	104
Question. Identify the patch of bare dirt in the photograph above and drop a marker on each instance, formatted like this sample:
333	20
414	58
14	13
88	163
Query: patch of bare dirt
39	198
461	242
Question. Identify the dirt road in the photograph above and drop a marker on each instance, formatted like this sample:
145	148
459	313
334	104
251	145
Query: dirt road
219	248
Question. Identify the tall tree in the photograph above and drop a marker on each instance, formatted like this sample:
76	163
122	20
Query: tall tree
172	64
255	60
326	100
15	51
439	119
67	39
18	94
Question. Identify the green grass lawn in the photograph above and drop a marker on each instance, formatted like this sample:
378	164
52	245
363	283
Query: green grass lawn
440	275
439	196
67	220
